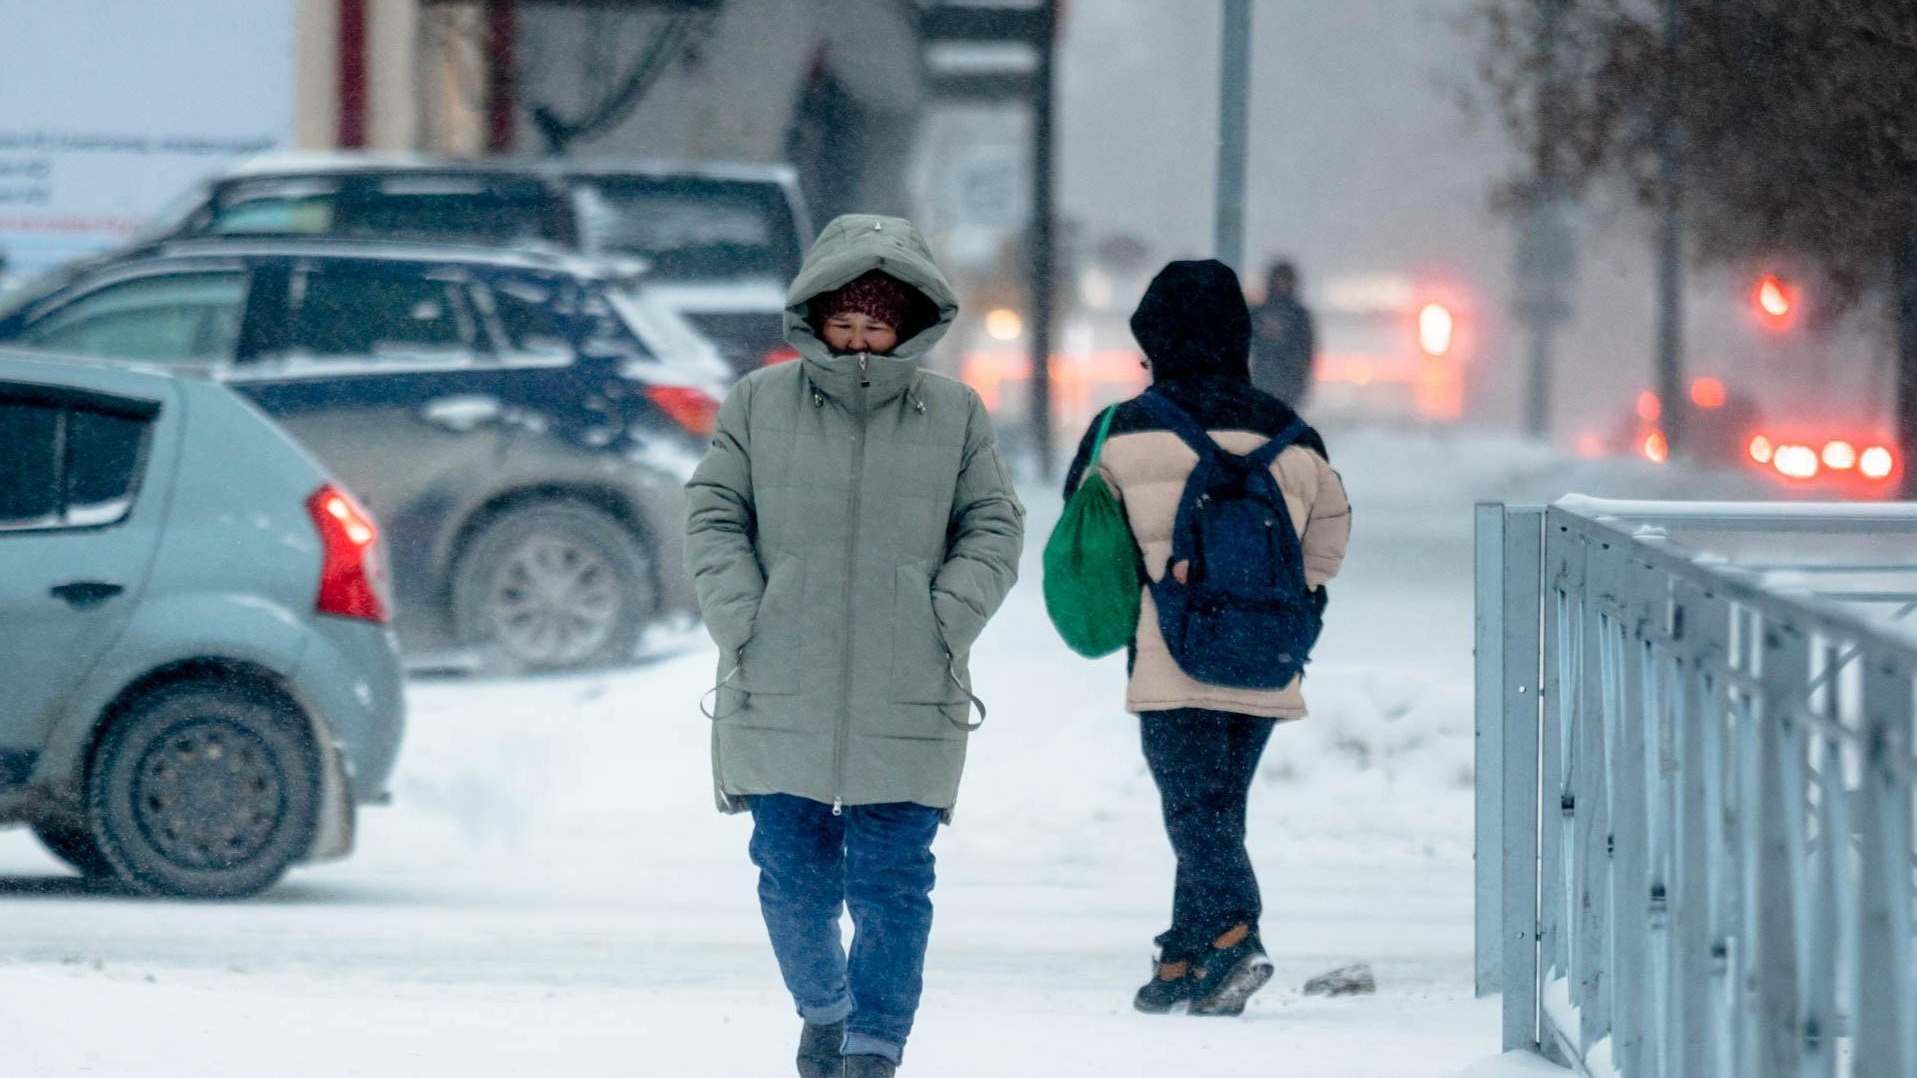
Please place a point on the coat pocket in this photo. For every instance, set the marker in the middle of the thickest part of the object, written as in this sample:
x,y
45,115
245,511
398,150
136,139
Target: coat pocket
x,y
922,668
770,663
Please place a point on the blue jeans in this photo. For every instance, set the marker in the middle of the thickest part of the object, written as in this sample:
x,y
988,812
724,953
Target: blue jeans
x,y
874,859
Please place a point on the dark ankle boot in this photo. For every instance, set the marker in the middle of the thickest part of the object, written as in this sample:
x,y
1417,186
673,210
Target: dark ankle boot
x,y
819,1051
1172,983
1235,968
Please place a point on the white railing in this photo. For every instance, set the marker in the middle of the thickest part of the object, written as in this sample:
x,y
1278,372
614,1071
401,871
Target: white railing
x,y
1695,782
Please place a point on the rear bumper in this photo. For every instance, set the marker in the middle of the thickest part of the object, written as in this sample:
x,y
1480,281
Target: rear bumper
x,y
349,677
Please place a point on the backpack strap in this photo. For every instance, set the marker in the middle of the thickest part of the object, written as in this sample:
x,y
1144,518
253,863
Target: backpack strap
x,y
1180,423
1195,435
1266,455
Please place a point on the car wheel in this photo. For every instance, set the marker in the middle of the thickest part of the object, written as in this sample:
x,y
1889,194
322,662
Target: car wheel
x,y
553,585
74,846
204,790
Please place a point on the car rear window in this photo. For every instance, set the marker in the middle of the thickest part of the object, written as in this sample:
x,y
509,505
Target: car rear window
x,y
65,465
690,229
532,317
345,314
103,458
424,207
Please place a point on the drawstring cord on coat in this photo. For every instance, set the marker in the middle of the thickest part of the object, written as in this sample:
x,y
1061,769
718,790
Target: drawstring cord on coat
x,y
951,671
713,695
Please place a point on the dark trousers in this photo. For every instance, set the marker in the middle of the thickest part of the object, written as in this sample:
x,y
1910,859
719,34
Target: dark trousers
x,y
1203,763
875,860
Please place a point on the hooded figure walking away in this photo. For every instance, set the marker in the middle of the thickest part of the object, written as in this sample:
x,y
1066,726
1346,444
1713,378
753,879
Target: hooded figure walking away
x,y
1284,343
851,531
1202,741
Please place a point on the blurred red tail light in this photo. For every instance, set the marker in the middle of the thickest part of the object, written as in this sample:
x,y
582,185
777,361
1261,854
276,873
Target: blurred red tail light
x,y
1877,462
1795,461
349,566
693,409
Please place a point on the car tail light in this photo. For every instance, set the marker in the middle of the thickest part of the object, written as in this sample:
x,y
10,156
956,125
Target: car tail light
x,y
1795,461
1877,463
1840,456
349,565
775,356
1761,449
693,409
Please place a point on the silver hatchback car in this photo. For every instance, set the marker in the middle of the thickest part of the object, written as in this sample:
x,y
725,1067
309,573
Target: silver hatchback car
x,y
198,684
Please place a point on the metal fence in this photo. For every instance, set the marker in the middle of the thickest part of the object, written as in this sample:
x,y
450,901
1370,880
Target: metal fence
x,y
1695,780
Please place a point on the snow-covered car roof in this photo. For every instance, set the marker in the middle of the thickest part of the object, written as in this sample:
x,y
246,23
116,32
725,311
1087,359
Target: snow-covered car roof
x,y
550,259
311,163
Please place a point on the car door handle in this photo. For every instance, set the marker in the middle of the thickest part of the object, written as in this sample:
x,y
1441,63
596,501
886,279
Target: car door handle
x,y
82,594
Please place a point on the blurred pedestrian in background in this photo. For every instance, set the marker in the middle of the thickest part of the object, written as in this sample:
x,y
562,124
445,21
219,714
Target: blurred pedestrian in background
x,y
1284,340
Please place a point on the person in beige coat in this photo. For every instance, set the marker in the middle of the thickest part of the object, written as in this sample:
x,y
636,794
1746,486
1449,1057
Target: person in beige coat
x,y
1203,742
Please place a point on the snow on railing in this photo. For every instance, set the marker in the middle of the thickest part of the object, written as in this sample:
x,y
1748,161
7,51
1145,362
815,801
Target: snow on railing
x,y
1695,784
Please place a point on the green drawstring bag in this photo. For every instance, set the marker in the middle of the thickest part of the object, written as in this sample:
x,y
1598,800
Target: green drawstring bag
x,y
1091,565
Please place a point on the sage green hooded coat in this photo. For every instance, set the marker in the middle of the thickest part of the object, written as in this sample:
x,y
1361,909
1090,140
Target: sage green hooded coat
x,y
850,532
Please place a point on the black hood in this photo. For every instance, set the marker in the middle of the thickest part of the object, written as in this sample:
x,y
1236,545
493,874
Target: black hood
x,y
1193,322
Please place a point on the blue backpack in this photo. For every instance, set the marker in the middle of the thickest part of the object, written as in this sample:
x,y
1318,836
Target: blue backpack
x,y
1244,618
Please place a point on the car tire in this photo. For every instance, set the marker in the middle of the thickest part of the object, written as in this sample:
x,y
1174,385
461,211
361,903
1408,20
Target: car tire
x,y
75,847
204,789
553,585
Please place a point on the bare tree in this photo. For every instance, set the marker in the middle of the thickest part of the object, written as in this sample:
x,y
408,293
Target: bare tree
x,y
1797,121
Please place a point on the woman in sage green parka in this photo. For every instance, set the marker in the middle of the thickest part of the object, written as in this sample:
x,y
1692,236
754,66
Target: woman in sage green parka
x,y
851,531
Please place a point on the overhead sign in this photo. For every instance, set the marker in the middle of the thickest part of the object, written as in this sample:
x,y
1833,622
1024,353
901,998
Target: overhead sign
x,y
111,110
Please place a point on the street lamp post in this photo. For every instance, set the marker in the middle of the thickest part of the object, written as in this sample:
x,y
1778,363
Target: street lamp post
x,y
1234,116
1670,268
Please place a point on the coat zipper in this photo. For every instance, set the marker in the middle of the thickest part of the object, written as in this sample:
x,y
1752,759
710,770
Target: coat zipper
x,y
851,568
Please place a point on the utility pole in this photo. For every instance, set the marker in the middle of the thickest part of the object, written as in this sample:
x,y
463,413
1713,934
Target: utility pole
x,y
1044,242
1545,264
1234,119
1670,243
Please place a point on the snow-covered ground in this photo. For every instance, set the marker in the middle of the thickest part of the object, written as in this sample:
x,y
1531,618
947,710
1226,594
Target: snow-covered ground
x,y
552,894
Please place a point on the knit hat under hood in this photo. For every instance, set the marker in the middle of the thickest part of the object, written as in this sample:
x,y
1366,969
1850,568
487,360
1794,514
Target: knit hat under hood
x,y
1193,321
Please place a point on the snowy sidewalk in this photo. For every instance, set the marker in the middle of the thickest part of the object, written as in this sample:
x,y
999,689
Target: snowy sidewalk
x,y
552,894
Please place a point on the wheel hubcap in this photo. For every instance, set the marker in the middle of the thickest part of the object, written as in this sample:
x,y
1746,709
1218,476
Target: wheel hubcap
x,y
554,601
209,794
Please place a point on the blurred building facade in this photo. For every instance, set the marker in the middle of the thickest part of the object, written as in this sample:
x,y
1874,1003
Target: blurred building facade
x,y
839,88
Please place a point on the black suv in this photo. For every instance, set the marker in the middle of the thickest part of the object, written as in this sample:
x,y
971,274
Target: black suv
x,y
521,425
722,240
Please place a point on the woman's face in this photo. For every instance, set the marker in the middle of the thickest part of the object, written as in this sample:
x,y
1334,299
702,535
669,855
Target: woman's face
x,y
850,332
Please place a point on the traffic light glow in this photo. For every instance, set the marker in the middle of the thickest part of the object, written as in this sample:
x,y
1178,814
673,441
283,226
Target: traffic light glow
x,y
1775,302
1436,326
1708,393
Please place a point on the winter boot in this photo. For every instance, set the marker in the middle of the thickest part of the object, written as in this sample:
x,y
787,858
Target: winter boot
x,y
869,1067
819,1051
1235,968
1172,983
